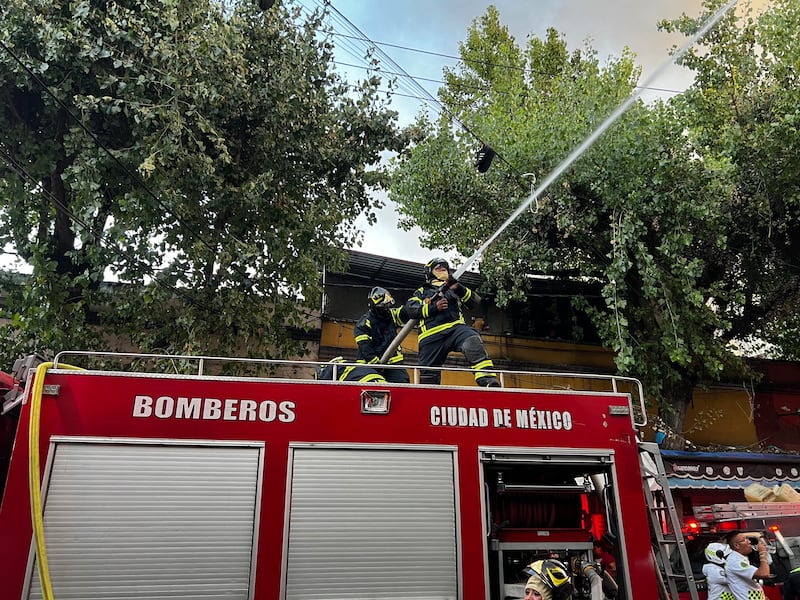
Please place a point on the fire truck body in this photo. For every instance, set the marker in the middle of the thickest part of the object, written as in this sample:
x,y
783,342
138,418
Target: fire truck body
x,y
201,487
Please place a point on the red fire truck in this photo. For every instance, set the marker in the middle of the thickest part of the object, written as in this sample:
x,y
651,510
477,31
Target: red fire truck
x,y
129,482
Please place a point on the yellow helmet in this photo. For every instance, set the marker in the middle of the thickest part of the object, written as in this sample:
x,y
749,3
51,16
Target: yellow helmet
x,y
555,576
380,298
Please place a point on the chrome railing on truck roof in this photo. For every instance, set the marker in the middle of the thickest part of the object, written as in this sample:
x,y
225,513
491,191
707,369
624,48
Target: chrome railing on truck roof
x,y
267,368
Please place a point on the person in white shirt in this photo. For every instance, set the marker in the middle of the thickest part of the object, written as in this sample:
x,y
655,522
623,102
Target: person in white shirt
x,y
741,574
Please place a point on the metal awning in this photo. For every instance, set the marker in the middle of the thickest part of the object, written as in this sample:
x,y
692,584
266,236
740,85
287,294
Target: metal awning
x,y
729,470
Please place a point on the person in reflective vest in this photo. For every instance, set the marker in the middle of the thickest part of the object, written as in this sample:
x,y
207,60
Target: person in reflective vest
x,y
791,587
376,330
741,574
714,571
437,305
342,372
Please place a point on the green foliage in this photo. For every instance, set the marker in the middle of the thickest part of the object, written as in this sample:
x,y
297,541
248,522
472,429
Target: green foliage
x,y
743,110
204,154
685,211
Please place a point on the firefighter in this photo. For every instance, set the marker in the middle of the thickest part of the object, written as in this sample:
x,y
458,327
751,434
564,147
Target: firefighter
x,y
714,571
437,305
549,580
347,373
376,330
741,574
791,587
603,555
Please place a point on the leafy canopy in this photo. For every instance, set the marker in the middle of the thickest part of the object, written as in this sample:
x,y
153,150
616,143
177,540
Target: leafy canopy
x,y
204,154
743,113
650,211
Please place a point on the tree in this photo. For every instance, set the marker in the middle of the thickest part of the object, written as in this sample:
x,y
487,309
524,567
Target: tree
x,y
644,212
743,112
204,153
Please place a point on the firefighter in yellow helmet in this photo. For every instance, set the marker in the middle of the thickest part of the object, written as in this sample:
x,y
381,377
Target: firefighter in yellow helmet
x,y
376,330
437,305
549,580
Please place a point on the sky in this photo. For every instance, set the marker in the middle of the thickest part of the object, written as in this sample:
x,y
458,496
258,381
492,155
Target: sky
x,y
437,26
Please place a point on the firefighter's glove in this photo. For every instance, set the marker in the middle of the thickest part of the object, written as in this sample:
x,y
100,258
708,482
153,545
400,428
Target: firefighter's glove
x,y
453,283
441,304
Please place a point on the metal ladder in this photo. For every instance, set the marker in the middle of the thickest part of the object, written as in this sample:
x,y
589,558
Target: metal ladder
x,y
667,525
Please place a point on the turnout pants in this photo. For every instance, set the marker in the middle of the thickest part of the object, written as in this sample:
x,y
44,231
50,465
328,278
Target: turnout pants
x,y
395,375
462,338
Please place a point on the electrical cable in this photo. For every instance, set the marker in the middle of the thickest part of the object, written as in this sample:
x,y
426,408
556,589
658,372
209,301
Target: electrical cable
x,y
398,71
341,18
466,87
526,71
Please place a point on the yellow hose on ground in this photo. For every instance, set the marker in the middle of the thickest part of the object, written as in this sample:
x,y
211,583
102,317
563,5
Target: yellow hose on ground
x,y
34,483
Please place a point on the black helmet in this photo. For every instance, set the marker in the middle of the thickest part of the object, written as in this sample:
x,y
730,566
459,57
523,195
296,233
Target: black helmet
x,y
380,298
432,264
555,576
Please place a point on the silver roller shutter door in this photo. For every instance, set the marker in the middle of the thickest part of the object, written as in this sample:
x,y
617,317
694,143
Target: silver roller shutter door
x,y
372,523
137,521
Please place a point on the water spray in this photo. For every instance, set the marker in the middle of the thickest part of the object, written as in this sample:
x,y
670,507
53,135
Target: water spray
x,y
567,162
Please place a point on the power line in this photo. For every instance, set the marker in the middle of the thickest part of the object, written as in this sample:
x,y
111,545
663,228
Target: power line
x,y
417,90
526,71
366,47
393,73
360,35
468,87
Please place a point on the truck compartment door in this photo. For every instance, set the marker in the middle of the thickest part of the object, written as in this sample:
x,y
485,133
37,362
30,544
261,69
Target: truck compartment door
x,y
136,519
367,523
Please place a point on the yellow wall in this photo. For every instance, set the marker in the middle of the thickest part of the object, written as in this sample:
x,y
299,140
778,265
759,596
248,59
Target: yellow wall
x,y
337,334
544,352
552,356
721,416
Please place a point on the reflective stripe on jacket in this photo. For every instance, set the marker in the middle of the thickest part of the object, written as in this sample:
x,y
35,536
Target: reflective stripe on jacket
x,y
375,331
422,305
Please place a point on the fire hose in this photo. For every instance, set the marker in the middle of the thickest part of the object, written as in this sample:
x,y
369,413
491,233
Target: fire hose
x,y
602,585
34,482
566,163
